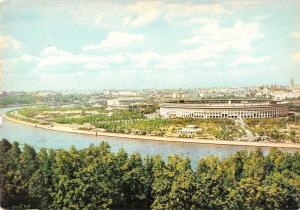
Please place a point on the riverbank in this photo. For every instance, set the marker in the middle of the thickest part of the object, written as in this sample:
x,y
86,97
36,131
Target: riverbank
x,y
65,128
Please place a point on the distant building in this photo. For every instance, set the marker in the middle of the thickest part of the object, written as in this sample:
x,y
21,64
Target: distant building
x,y
127,103
123,101
281,95
292,82
44,93
190,129
180,94
130,93
223,109
106,92
97,101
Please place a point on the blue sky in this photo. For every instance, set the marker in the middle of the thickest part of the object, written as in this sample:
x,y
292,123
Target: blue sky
x,y
76,44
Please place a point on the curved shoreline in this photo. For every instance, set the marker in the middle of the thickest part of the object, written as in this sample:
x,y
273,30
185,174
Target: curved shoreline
x,y
63,128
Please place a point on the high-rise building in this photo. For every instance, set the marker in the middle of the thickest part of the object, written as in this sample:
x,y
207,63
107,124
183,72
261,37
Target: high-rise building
x,y
1,81
292,82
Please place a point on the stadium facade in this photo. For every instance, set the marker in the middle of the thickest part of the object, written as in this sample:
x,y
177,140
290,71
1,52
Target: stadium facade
x,y
223,109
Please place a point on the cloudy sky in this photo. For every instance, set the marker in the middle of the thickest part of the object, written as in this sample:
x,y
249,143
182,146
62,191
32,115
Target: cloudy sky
x,y
76,44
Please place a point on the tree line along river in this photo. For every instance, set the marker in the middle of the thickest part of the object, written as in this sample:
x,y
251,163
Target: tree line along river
x,y
41,138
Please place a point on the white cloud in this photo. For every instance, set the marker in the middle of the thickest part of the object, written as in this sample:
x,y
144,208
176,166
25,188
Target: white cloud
x,y
9,42
210,64
212,42
146,12
114,15
143,59
239,37
28,58
296,56
247,59
174,11
261,17
117,40
141,13
20,59
52,56
295,34
186,57
105,13
95,66
196,21
53,51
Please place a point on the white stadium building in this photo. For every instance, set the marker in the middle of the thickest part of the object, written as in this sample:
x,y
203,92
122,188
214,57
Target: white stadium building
x,y
227,108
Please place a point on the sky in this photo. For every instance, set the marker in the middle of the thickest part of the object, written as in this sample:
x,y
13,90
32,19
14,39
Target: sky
x,y
95,45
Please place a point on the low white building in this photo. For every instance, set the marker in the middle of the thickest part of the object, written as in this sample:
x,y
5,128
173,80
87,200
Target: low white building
x,y
127,103
281,95
113,102
190,129
130,93
124,101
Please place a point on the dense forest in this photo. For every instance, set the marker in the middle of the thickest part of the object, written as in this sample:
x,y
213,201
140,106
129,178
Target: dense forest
x,y
96,178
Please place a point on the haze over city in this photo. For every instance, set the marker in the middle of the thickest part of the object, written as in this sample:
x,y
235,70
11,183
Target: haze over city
x,y
135,44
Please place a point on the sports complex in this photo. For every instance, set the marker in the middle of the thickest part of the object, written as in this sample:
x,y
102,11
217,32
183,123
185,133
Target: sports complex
x,y
223,108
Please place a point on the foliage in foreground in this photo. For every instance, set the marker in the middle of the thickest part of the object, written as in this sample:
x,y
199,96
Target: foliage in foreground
x,y
96,178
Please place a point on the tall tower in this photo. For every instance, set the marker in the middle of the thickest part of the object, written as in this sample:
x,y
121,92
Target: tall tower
x,y
292,82
1,79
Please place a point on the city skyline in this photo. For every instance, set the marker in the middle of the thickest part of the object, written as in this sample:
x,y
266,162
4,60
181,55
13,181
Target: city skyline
x,y
138,45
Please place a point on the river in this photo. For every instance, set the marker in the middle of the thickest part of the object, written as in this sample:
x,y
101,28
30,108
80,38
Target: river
x,y
41,138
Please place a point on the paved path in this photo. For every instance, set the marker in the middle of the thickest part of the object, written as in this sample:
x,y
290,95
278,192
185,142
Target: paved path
x,y
249,134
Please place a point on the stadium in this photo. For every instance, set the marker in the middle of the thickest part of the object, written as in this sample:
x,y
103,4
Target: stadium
x,y
223,108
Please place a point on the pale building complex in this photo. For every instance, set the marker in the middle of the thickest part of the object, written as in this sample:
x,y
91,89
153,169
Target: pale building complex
x,y
281,95
189,130
128,103
223,109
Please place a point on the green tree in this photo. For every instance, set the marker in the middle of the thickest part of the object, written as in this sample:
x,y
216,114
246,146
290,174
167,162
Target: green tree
x,y
41,182
249,194
134,182
209,185
173,184
12,189
96,178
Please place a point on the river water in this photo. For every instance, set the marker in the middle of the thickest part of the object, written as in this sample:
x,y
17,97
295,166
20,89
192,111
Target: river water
x,y
41,138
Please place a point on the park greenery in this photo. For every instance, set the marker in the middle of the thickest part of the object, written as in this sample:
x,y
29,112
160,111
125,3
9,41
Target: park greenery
x,y
96,178
120,115
24,99
34,98
34,111
219,128
66,99
129,122
278,129
286,129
